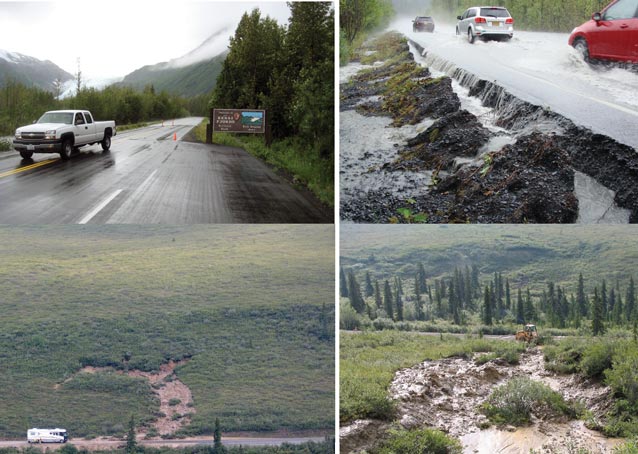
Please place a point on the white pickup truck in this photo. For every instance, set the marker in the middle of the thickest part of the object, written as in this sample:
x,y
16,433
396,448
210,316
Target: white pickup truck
x,y
61,131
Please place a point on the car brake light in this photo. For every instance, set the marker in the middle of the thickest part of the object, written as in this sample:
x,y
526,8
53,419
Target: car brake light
x,y
480,20
509,21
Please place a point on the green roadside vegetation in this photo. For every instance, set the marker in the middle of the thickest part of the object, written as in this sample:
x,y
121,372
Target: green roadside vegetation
x,y
358,19
249,307
5,145
326,447
287,154
289,72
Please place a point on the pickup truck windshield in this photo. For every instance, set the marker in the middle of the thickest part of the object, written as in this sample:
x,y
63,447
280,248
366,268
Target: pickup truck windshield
x,y
57,117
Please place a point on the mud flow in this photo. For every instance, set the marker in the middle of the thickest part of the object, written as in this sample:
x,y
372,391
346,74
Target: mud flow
x,y
424,140
176,400
447,395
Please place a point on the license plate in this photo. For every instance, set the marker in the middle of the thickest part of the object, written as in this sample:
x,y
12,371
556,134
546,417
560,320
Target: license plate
x,y
30,147
496,24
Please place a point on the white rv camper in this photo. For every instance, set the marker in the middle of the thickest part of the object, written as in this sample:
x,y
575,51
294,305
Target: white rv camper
x,y
47,436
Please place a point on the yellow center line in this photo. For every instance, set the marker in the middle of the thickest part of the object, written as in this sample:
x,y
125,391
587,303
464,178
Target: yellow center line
x,y
29,167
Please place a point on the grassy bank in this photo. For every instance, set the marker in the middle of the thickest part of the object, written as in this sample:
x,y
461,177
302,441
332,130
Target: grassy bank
x,y
612,360
369,360
306,167
248,305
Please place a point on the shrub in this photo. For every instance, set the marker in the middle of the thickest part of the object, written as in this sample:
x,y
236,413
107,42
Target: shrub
x,y
349,319
174,401
564,358
596,358
5,145
420,441
515,401
623,381
629,447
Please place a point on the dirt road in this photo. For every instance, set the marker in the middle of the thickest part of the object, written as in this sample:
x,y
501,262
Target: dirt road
x,y
103,443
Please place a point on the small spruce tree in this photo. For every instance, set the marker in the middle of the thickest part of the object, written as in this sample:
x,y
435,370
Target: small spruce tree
x,y
217,438
131,441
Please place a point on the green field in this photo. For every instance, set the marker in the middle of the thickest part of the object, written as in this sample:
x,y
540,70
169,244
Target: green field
x,y
246,304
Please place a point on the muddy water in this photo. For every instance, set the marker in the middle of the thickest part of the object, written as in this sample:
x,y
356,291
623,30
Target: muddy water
x,y
446,394
366,143
542,438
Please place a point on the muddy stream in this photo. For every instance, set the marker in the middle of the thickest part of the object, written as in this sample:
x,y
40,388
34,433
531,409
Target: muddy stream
x,y
447,393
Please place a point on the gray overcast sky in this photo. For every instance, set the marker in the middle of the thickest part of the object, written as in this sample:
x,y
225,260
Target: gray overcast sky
x,y
116,37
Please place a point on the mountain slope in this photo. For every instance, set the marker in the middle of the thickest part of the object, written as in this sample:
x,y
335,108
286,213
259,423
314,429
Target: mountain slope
x,y
190,80
30,71
242,310
526,254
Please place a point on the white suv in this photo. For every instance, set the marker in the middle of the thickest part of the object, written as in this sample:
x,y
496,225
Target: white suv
x,y
493,22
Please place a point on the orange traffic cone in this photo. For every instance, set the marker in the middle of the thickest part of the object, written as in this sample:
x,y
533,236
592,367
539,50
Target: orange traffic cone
x,y
174,136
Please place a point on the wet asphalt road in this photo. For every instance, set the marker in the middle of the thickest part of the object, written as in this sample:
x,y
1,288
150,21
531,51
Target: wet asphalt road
x,y
149,178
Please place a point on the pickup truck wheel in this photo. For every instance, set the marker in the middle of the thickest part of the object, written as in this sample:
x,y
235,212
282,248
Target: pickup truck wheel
x,y
67,149
106,142
26,154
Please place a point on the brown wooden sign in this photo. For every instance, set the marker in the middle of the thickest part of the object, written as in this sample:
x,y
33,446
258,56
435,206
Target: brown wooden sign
x,y
239,120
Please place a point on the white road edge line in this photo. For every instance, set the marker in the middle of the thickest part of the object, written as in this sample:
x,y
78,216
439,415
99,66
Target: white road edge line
x,y
99,208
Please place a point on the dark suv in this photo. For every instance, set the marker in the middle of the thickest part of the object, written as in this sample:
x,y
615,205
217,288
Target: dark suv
x,y
611,34
423,24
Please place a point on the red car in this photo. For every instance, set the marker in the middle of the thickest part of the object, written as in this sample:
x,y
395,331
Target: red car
x,y
611,34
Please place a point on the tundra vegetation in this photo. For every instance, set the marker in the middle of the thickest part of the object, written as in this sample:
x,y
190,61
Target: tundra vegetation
x,y
289,71
483,280
249,307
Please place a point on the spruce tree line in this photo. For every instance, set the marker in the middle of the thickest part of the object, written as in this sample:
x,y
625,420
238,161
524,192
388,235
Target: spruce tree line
x,y
464,293
287,70
21,105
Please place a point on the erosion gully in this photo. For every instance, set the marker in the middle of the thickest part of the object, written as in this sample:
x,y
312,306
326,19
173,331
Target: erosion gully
x,y
445,394
604,173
